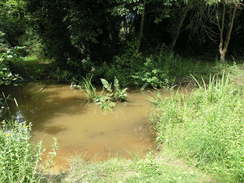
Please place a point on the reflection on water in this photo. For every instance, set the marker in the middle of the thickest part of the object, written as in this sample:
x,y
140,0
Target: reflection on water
x,y
82,128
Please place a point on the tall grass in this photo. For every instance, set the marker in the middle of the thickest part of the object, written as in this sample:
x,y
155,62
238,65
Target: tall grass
x,y
206,127
89,89
19,159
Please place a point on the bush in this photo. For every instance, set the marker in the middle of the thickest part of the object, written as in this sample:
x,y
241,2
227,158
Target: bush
x,y
18,158
155,72
7,55
4,107
206,128
161,70
122,67
134,69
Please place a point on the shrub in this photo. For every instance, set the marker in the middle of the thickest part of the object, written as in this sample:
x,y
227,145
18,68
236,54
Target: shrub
x,y
19,159
122,67
161,70
155,72
4,107
7,55
206,127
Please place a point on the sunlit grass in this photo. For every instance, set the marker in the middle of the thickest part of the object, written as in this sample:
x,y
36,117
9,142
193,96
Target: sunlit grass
x,y
206,128
148,170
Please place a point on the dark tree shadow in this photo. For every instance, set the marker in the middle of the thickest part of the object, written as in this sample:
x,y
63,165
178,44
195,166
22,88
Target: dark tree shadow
x,y
40,105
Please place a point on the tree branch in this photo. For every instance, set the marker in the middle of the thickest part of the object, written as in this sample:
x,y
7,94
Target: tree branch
x,y
228,35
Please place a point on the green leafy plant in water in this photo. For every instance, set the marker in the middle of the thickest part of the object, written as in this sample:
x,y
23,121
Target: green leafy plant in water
x,y
105,102
114,91
107,86
111,94
89,89
119,94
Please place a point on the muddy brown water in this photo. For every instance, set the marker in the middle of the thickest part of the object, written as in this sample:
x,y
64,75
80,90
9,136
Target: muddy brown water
x,y
83,129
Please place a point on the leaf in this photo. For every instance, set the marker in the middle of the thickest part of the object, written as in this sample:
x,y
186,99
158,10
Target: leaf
x,y
116,84
106,85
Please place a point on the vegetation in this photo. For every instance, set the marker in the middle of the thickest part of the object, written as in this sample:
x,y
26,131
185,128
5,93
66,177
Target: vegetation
x,y
136,41
8,55
19,159
89,89
132,44
114,92
160,169
109,95
206,128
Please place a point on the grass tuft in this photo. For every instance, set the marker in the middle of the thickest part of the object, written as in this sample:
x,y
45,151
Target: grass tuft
x,y
206,128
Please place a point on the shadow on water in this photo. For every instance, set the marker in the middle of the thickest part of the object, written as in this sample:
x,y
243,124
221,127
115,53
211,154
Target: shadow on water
x,y
39,104
82,129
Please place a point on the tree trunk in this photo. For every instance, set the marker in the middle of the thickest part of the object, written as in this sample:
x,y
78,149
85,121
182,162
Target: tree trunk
x,y
224,43
229,33
222,55
178,29
141,27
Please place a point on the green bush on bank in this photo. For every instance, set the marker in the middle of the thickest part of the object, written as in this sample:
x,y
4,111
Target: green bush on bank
x,y
19,160
134,69
8,55
161,70
206,128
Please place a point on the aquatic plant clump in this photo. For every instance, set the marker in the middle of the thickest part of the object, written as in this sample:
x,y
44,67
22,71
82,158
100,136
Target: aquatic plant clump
x,y
111,93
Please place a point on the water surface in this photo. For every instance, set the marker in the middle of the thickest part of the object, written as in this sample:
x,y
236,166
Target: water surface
x,y
83,129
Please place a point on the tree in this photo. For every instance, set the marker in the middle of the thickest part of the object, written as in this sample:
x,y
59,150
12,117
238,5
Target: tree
x,y
12,20
182,7
222,17
48,20
129,10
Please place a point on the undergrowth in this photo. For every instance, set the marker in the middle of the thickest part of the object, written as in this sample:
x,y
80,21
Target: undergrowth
x,y
19,160
132,68
205,128
162,70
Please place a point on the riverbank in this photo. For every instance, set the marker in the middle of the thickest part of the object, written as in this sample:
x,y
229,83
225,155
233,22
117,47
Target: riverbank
x,y
199,139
